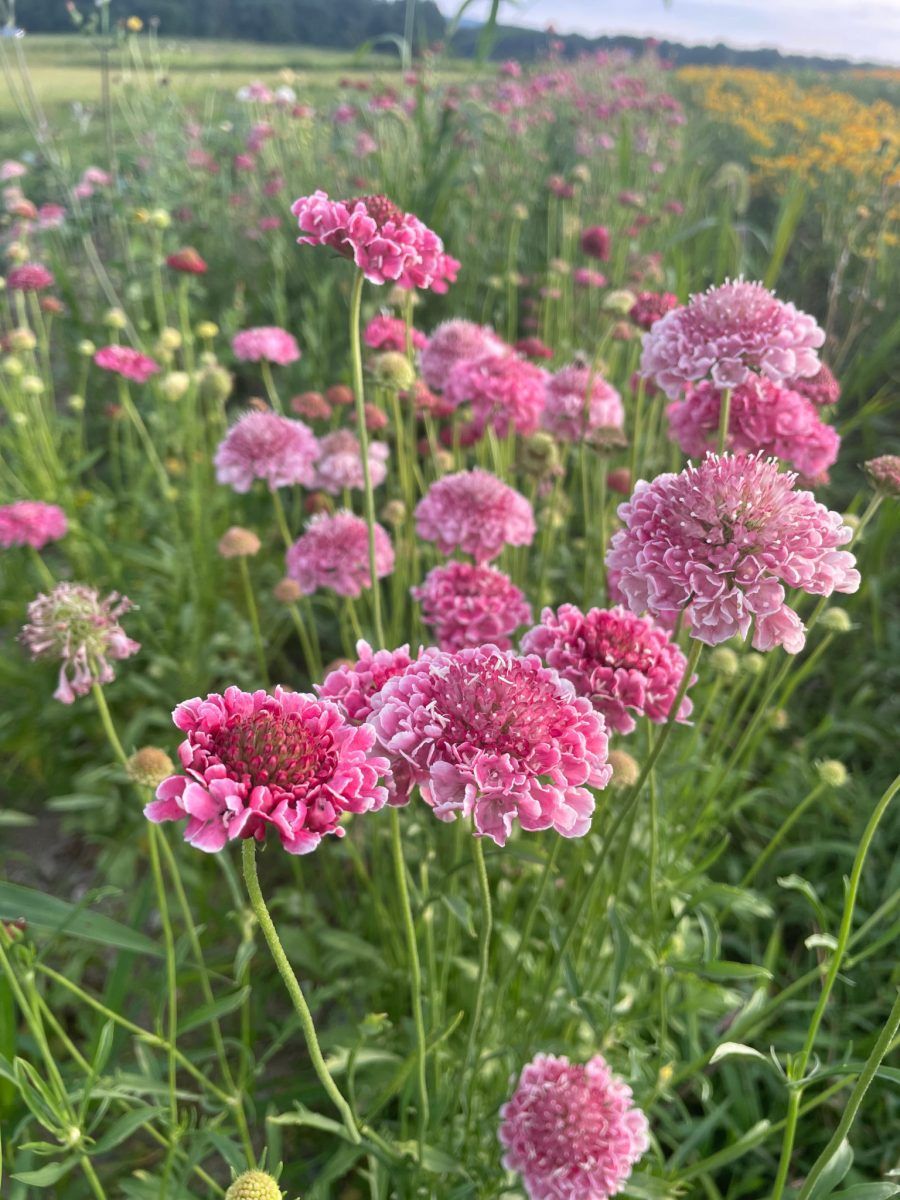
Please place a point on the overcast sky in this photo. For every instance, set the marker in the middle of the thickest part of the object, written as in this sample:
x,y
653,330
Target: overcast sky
x,y
863,29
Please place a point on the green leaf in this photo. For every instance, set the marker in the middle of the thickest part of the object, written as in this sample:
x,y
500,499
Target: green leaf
x,y
724,970
838,1166
124,1127
434,1160
461,911
736,1050
312,1120
208,1012
868,1191
45,1176
53,915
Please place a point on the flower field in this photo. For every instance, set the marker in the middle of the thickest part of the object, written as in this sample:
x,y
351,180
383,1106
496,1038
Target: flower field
x,y
449,649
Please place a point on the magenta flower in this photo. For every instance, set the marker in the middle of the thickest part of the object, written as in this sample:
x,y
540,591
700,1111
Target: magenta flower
x,y
475,512
31,523
726,538
625,665
334,553
572,1130
266,343
74,625
351,686
29,277
254,761
389,333
821,388
454,342
728,333
595,242
387,244
340,463
466,605
130,364
264,445
648,307
503,391
569,415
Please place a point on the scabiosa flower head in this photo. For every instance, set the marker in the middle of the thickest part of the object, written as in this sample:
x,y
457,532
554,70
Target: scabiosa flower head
x,y
387,244
311,405
266,343
884,473
726,538
74,625
334,553
821,388
254,1185
728,333
533,347
764,416
453,342
496,737
625,665
124,361
571,1130
340,463
389,333
29,277
466,605
238,542
188,261
475,512
648,307
595,242
31,523
351,686
254,760
568,413
264,445
503,390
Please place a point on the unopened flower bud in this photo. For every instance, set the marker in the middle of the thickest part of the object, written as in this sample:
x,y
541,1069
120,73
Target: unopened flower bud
x,y
20,340
169,339
13,366
160,219
175,385
76,403
206,330
237,542
835,620
625,769
754,663
621,301
884,472
779,719
393,370
86,348
214,384
619,480
519,212
114,318
394,513
149,766
287,591
443,460
32,385
725,662
254,1185
832,773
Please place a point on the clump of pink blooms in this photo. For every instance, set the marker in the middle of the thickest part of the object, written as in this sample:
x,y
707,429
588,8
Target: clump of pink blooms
x,y
389,333
726,537
648,307
494,737
73,624
764,416
568,413
334,553
625,665
572,1130
387,244
264,445
31,523
124,361
728,333
475,512
255,761
503,391
821,388
351,686
266,343
455,342
30,277
466,605
340,462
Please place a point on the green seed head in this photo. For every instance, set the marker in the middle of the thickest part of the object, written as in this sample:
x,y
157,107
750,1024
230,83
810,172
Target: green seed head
x,y
832,772
254,1185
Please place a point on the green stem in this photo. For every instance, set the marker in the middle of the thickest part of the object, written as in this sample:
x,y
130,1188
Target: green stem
x,y
254,619
724,415
171,968
484,959
271,390
779,837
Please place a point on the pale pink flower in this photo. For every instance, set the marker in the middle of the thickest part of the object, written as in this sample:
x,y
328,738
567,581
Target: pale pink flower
x,y
586,278
475,512
389,333
266,343
495,737
569,415
255,761
726,538
264,445
503,391
466,605
31,523
453,342
124,361
821,388
340,463
333,553
12,169
572,1131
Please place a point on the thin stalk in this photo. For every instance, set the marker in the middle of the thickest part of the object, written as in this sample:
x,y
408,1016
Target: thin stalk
x,y
484,960
782,833
253,612
724,415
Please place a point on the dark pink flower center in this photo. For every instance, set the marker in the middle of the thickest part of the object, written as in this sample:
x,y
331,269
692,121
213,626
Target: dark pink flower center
x,y
274,750
612,644
379,208
502,708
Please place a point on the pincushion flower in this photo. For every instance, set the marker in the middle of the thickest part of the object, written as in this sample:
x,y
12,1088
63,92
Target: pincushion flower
x,y
454,342
569,415
71,623
30,277
727,334
648,307
495,737
351,686
475,512
124,361
503,391
389,333
255,761
340,463
726,538
188,261
595,242
31,523
571,1130
466,605
387,244
625,665
764,416
264,445
334,553
884,472
266,343
821,388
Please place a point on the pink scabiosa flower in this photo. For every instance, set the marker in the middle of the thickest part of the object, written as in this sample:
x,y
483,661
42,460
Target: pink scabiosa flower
x,y
264,445
389,333
31,523
266,343
595,242
584,277
124,361
625,665
726,538
452,343
764,416
727,334
29,277
503,390
475,512
569,415
466,605
490,735
188,261
72,624
387,244
571,1130
648,307
351,686
254,761
340,463
884,472
821,388
333,553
